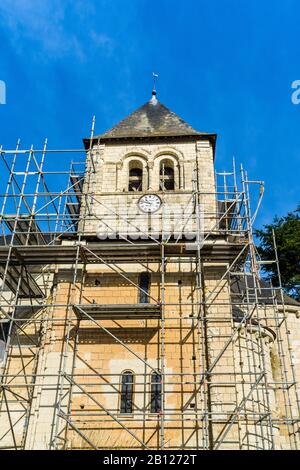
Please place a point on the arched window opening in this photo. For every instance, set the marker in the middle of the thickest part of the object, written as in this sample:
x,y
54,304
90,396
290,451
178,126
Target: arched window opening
x,y
135,182
126,405
166,176
156,390
144,285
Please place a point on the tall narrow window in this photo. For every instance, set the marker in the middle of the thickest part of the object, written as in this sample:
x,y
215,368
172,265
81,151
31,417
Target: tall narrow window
x,y
144,284
4,330
135,182
126,405
166,176
156,389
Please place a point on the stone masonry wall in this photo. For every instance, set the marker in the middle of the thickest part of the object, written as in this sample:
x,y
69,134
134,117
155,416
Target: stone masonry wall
x,y
107,187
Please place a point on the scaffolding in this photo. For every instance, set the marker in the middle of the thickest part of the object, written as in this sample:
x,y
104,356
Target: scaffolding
x,y
44,206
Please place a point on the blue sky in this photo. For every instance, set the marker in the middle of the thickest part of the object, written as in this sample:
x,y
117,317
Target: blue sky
x,y
224,66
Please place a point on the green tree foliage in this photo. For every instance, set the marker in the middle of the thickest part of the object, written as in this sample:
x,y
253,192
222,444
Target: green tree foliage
x,y
287,234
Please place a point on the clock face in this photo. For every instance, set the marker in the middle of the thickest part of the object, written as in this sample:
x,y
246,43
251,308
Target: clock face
x,y
149,203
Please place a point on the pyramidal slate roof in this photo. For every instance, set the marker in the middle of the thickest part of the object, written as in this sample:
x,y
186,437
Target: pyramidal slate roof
x,y
153,119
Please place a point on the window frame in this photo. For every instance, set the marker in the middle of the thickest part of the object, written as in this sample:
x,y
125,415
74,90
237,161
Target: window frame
x,y
156,373
141,294
163,179
133,166
127,413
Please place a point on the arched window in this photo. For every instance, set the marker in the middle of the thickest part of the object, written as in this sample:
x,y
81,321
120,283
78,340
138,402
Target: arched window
x,y
126,404
144,284
135,182
156,389
166,176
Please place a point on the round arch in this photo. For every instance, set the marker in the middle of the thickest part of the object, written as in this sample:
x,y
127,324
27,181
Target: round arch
x,y
176,161
126,164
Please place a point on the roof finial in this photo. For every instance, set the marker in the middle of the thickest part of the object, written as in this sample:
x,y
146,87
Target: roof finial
x,y
155,76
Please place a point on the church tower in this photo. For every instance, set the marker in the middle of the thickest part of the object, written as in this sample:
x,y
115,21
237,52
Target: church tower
x,y
149,163
149,206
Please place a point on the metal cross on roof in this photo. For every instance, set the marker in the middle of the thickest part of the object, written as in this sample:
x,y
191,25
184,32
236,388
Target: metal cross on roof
x,y
155,76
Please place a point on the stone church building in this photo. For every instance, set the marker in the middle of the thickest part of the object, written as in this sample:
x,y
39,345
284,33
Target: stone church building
x,y
145,323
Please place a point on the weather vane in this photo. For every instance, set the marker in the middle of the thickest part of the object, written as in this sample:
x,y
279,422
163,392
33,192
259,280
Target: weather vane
x,y
155,76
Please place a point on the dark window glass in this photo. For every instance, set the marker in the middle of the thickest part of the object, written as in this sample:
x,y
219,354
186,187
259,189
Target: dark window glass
x,y
127,392
166,179
156,389
4,329
145,285
135,179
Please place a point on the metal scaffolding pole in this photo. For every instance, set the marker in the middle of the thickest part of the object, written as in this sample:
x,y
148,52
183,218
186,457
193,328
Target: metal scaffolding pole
x,y
42,219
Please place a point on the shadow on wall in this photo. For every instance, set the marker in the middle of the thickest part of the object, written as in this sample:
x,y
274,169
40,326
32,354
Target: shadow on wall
x,y
126,335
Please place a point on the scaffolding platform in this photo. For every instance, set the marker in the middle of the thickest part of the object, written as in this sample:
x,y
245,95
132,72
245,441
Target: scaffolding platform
x,y
25,229
221,250
118,311
17,279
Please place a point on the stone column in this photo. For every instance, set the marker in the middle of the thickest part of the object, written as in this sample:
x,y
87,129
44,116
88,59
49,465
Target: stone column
x,y
150,175
181,175
119,167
